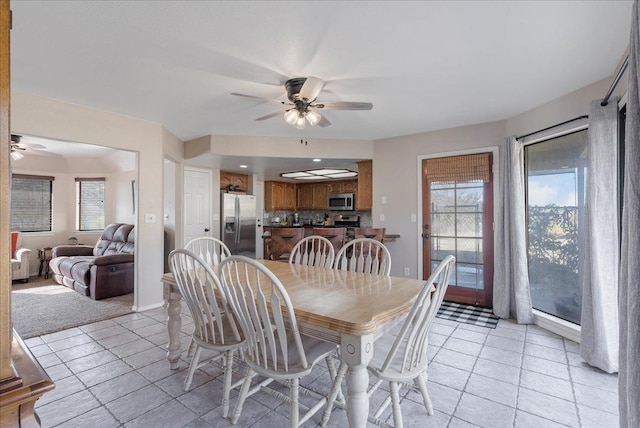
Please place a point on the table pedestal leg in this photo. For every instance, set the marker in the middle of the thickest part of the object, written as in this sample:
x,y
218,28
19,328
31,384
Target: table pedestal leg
x,y
174,323
357,351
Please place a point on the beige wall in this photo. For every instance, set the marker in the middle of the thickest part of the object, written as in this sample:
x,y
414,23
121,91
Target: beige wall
x,y
45,117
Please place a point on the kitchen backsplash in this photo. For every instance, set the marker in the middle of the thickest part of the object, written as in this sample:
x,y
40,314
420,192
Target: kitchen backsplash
x,y
365,216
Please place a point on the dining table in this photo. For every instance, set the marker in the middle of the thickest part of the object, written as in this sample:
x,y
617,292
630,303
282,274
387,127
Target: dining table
x,y
350,309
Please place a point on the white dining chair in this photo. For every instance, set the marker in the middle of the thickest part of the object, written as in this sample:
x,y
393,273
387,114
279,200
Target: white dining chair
x,y
211,250
403,358
215,328
275,348
313,251
364,255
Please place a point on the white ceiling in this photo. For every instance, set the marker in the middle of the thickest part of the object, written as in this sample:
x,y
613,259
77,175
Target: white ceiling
x,y
424,65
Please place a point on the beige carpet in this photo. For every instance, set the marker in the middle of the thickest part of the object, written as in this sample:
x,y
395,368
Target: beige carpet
x,y
42,307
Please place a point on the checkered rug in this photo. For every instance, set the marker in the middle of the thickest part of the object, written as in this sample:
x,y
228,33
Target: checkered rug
x,y
469,314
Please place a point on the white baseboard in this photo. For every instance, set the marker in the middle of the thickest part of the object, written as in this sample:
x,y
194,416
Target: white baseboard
x,y
556,325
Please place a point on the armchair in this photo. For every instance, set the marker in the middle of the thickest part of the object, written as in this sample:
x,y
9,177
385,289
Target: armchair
x,y
19,259
106,270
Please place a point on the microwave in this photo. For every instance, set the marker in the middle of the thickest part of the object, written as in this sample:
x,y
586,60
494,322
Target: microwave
x,y
342,202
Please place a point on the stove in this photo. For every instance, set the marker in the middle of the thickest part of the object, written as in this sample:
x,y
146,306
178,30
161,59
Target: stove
x,y
346,220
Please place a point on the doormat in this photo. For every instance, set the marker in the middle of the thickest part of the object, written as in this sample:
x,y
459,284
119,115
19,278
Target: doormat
x,y
469,314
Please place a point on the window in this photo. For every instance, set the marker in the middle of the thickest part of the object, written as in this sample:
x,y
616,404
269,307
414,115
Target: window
x,y
31,203
90,203
556,178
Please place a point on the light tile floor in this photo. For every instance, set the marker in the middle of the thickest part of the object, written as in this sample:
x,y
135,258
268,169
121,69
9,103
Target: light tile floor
x,y
114,373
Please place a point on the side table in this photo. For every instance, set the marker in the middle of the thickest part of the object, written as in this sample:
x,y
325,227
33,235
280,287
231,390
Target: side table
x,y
44,254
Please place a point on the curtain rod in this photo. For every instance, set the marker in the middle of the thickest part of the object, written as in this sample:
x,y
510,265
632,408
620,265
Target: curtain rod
x,y
605,101
553,126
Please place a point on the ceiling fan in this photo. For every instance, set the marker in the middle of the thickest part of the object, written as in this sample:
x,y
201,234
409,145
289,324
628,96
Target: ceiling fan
x,y
303,106
17,148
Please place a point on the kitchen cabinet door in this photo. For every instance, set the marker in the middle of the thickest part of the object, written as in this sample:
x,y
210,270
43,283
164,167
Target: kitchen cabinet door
x,y
240,181
305,197
364,199
349,186
273,195
289,196
320,196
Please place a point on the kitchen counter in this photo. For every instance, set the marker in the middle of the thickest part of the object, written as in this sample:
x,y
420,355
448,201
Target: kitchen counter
x,y
388,237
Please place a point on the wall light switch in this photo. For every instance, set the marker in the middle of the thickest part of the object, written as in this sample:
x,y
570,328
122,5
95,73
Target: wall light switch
x,y
149,218
413,218
384,200
381,217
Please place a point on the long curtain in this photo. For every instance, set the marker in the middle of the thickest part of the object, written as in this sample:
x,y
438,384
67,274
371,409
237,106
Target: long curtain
x,y
629,377
511,295
599,323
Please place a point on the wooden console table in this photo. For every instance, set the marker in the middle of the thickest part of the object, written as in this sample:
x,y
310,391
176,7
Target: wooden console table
x,y
19,395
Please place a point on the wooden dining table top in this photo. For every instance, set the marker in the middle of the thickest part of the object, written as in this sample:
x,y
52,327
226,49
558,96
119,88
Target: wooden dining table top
x,y
345,302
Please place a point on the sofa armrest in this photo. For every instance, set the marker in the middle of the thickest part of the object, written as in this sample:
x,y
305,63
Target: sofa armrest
x,y
71,250
23,254
112,259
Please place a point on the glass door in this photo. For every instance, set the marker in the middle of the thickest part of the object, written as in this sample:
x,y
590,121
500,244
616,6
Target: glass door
x,y
458,221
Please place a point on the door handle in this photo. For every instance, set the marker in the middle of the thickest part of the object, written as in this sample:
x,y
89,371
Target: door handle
x,y
426,236
206,229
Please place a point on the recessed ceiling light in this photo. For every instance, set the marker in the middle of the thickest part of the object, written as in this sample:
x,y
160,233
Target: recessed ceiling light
x,y
243,166
317,160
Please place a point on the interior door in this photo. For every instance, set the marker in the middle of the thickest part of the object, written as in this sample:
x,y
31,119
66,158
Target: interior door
x,y
197,204
457,195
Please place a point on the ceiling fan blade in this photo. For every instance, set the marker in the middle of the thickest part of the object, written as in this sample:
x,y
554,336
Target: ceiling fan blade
x,y
254,97
39,152
344,105
33,146
324,122
311,88
269,116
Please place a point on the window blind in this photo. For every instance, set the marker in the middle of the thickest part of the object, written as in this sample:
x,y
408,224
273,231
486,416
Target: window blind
x,y
459,169
90,203
31,203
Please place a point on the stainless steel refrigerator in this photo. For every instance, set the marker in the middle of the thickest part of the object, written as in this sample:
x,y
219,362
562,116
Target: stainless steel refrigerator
x,y
238,223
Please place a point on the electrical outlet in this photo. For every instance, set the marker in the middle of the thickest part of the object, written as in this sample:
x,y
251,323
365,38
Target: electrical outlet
x,y
407,272
381,217
384,200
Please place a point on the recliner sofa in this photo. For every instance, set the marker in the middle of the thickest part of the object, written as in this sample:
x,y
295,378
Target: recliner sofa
x,y
105,270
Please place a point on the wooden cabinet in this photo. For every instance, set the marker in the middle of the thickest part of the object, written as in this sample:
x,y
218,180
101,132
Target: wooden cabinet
x,y
364,198
350,186
239,181
305,197
279,195
313,196
320,196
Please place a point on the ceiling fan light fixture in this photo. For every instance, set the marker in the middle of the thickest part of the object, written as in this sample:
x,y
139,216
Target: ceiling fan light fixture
x,y
291,116
313,117
300,122
16,155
